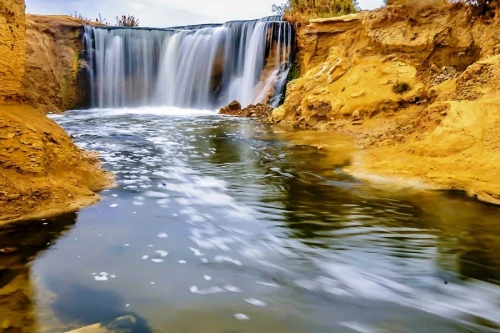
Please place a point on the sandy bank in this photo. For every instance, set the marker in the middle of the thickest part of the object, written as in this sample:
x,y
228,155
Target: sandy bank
x,y
42,173
418,93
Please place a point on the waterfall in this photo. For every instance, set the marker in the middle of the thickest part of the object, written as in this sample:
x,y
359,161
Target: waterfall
x,y
201,67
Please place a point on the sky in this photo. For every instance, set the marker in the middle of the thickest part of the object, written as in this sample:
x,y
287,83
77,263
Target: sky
x,y
166,13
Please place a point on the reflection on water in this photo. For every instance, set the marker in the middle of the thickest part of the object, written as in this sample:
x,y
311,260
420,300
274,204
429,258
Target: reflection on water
x,y
19,244
224,225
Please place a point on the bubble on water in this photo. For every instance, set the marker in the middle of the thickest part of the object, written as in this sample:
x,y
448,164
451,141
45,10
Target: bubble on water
x,y
138,203
204,260
207,277
163,202
162,235
232,288
359,327
152,283
127,305
267,284
223,259
156,195
211,290
182,262
113,276
145,257
103,276
150,245
127,245
113,205
114,195
255,302
241,316
196,252
157,260
162,253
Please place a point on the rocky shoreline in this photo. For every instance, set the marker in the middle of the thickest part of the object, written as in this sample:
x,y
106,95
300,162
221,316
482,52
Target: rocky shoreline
x,y
42,173
418,92
419,95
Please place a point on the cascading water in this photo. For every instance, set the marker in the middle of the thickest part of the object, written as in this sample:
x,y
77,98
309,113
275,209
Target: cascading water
x,y
202,67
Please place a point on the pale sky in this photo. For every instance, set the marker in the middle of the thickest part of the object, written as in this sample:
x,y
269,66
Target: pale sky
x,y
166,13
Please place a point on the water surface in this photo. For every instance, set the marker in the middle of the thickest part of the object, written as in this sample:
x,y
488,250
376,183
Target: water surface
x,y
226,225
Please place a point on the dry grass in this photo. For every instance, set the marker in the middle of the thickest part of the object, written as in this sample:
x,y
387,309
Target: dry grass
x,y
301,10
478,7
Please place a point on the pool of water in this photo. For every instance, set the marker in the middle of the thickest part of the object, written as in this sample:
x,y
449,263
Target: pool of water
x,y
227,225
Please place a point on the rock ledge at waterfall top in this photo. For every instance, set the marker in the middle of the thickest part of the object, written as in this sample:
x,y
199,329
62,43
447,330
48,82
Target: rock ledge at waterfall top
x,y
420,97
42,173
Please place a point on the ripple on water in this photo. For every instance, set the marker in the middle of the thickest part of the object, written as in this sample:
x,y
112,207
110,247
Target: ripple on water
x,y
272,210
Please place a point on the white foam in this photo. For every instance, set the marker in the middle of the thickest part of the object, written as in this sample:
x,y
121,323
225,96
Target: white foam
x,y
241,316
162,253
255,302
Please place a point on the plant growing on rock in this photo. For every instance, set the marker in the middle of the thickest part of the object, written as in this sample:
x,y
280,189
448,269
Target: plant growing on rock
x,y
79,16
127,21
480,7
296,9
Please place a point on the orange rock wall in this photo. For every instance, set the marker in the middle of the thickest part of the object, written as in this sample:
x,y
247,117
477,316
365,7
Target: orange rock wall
x,y
12,54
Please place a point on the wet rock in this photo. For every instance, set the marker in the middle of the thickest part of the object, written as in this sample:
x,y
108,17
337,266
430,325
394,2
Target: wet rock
x,y
257,111
231,108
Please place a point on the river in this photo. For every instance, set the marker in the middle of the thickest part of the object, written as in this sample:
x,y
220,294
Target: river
x,y
224,225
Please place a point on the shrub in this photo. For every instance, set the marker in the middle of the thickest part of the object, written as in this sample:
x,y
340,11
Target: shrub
x,y
99,19
127,21
79,16
480,7
316,8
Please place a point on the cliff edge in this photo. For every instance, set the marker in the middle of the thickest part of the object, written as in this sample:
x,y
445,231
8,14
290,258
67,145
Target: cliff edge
x,y
55,77
12,56
42,173
417,90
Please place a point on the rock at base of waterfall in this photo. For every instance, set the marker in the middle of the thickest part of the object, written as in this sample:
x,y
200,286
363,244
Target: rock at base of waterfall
x,y
231,108
256,111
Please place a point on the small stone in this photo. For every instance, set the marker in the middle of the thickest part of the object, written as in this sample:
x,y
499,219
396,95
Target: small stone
x,y
435,68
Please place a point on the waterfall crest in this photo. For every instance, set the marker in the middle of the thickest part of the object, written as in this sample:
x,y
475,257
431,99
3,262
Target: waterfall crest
x,y
200,67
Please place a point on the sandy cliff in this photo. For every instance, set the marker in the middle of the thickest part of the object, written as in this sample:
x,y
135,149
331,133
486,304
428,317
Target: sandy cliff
x,y
12,27
418,90
54,80
42,173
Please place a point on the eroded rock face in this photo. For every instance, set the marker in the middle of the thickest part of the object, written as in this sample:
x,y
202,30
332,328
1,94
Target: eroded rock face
x,y
417,90
55,68
42,172
12,58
